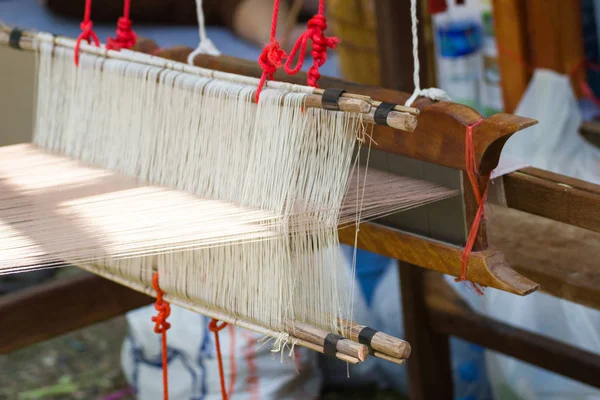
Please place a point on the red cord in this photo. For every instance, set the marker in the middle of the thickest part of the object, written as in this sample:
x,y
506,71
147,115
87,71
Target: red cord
x,y
164,310
213,326
320,43
87,32
471,167
272,56
126,37
232,359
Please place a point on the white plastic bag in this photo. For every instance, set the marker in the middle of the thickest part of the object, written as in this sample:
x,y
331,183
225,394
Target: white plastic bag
x,y
555,145
193,368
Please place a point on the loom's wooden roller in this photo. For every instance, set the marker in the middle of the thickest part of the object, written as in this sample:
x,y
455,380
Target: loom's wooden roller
x,y
438,140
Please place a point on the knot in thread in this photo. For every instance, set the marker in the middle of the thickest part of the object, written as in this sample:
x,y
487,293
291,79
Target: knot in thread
x,y
214,326
320,43
125,36
87,34
270,60
163,308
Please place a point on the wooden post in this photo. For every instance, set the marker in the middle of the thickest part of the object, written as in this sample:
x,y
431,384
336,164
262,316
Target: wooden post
x,y
429,368
395,45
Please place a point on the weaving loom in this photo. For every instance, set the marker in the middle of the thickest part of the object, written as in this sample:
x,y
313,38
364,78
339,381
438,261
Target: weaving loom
x,y
204,197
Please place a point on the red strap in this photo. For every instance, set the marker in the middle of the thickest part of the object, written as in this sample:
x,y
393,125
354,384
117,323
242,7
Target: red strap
x,y
472,172
272,56
164,310
213,326
125,38
87,32
316,25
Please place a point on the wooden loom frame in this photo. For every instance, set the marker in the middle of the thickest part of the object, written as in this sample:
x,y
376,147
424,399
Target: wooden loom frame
x,y
432,313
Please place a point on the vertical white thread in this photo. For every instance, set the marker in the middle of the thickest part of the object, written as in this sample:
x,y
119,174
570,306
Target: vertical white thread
x,y
432,93
205,46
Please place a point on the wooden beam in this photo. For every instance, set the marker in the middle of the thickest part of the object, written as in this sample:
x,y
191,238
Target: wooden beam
x,y
554,196
562,258
54,308
429,367
449,315
487,267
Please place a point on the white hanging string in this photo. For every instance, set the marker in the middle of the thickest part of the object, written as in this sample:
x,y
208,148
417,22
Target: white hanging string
x,y
432,93
206,46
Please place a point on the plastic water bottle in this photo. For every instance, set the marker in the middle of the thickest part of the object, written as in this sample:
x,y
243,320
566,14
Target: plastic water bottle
x,y
458,43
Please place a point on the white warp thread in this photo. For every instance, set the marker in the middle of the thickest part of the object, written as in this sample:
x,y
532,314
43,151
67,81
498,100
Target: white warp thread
x,y
206,137
205,46
432,93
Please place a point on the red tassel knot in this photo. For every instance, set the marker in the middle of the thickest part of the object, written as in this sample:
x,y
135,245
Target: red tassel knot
x,y
125,36
270,61
87,34
320,44
163,308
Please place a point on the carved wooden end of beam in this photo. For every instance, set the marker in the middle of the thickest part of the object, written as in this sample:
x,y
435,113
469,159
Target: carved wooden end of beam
x,y
487,267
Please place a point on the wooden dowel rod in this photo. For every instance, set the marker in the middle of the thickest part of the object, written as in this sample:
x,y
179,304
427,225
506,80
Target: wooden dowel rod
x,y
380,342
395,119
397,107
389,358
317,335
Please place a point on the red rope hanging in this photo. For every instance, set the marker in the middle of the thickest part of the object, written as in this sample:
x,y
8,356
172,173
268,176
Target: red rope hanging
x,y
316,25
272,56
471,167
87,32
164,310
125,36
214,327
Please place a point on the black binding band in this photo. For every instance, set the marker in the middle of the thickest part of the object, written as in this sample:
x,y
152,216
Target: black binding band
x,y
366,336
14,40
330,344
330,97
382,112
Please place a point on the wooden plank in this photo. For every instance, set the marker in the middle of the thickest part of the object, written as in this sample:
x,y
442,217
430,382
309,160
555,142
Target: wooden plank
x,y
487,267
50,309
554,196
449,315
562,258
429,367
440,134
513,52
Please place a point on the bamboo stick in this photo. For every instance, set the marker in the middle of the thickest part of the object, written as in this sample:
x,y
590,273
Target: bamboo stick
x,y
316,335
409,110
380,342
404,119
